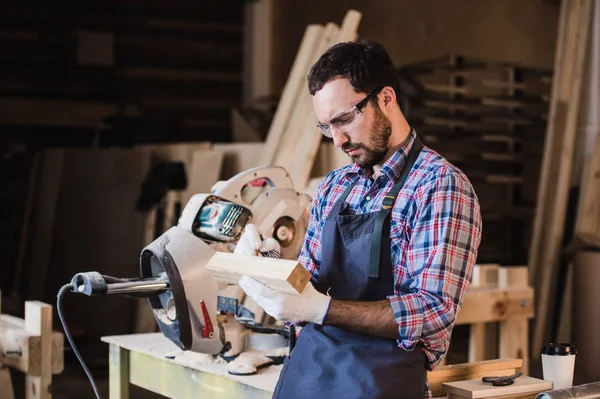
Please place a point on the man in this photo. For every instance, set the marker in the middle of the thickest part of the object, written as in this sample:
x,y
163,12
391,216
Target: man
x,y
391,244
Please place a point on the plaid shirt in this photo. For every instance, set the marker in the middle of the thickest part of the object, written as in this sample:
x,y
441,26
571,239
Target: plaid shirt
x,y
435,235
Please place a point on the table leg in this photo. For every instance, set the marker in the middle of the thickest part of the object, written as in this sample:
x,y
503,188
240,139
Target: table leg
x,y
118,369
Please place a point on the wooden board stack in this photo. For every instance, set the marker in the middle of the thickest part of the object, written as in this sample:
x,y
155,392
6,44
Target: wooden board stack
x,y
293,138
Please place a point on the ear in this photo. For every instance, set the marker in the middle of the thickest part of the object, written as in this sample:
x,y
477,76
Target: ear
x,y
388,96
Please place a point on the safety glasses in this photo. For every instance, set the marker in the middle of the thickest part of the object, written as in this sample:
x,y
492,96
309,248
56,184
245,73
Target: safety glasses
x,y
346,118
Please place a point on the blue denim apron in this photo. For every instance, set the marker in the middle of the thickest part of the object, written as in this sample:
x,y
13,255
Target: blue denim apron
x,y
332,362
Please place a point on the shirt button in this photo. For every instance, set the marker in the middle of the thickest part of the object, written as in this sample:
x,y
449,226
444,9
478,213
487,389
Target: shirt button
x,y
368,198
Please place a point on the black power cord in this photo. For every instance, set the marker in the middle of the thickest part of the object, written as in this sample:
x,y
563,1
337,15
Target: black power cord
x,y
64,289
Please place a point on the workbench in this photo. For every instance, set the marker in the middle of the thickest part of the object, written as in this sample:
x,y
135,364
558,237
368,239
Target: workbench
x,y
154,363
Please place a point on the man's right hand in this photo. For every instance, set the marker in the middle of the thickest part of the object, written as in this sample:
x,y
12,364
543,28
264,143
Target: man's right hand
x,y
251,243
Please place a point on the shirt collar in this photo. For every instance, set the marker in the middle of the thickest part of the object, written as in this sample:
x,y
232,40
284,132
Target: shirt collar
x,y
392,167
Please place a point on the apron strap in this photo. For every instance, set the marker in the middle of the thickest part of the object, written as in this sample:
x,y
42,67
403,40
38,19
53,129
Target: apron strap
x,y
386,208
340,202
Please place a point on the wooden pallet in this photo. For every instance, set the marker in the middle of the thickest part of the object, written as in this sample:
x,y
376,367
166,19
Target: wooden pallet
x,y
497,307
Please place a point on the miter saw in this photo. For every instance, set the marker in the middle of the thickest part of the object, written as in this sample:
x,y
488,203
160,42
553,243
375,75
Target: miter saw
x,y
189,306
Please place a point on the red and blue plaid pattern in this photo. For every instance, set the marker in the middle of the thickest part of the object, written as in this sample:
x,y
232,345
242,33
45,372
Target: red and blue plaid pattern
x,y
435,234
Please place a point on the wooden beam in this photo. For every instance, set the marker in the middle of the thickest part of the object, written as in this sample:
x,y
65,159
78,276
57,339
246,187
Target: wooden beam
x,y
279,274
514,332
38,321
15,337
482,336
291,90
566,115
496,304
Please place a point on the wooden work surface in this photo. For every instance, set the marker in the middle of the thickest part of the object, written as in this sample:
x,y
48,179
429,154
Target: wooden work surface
x,y
141,359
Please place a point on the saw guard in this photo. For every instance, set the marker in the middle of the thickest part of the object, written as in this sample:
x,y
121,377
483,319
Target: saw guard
x,y
178,311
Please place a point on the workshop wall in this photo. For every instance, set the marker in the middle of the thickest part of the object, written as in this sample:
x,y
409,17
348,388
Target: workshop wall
x,y
516,31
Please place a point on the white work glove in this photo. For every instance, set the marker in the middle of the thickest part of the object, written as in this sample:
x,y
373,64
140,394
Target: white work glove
x,y
310,305
251,243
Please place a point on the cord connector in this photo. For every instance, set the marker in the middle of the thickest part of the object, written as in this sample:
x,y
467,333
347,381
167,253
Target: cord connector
x,y
89,283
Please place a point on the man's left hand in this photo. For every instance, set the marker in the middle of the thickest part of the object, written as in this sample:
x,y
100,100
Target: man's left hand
x,y
310,305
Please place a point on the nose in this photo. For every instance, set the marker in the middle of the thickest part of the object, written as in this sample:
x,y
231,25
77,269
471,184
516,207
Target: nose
x,y
339,138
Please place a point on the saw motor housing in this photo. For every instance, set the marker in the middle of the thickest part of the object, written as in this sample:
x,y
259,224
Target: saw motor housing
x,y
188,312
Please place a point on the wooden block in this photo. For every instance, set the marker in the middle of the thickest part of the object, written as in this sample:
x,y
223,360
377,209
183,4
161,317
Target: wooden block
x,y
528,395
279,274
38,321
437,384
474,368
478,389
291,90
489,305
14,336
514,332
6,383
482,336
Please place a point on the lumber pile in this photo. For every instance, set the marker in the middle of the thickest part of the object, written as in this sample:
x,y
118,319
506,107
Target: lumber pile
x,y
488,118
293,138
546,258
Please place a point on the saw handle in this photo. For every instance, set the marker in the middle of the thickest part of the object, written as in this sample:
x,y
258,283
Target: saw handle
x,y
275,175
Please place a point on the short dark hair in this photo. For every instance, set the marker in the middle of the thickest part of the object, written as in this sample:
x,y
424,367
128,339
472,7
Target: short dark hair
x,y
366,64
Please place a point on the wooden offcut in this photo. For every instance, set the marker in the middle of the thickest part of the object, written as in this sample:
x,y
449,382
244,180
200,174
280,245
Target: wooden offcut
x,y
281,275
469,371
478,389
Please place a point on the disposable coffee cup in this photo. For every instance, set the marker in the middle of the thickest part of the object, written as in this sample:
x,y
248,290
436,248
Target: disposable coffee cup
x,y
558,364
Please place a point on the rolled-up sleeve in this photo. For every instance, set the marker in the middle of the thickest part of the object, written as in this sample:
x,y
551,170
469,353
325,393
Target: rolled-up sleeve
x,y
440,256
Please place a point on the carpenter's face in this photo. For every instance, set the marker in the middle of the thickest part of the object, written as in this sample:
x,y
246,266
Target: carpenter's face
x,y
362,134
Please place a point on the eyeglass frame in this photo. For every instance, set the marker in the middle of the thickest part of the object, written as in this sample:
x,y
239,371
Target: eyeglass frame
x,y
358,108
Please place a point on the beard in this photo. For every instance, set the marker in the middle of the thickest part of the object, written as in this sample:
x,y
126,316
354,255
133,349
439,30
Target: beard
x,y
378,146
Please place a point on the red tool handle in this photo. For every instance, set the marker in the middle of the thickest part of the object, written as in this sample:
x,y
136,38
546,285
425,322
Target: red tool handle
x,y
207,330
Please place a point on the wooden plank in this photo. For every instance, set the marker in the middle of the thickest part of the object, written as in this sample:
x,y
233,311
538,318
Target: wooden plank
x,y
482,336
436,385
14,337
38,321
118,372
490,305
239,157
588,211
514,332
291,90
552,139
474,368
304,141
204,172
479,389
552,244
6,383
173,380
280,274
300,136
